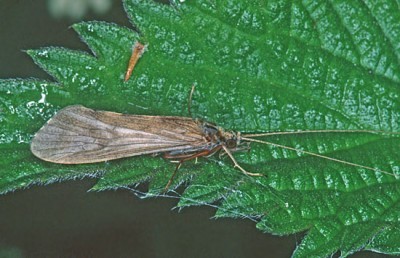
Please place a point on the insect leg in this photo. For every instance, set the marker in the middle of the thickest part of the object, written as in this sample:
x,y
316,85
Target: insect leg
x,y
184,157
245,148
237,164
172,177
190,100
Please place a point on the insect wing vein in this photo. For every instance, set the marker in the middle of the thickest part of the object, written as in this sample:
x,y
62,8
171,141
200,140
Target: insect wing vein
x,y
81,135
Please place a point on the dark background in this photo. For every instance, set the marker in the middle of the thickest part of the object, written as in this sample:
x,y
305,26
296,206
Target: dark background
x,y
64,220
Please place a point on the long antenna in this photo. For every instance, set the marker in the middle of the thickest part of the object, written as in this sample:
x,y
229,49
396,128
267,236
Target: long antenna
x,y
321,131
317,155
190,99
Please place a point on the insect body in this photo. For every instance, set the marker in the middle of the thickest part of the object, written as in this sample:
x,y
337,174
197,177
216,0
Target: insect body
x,y
77,135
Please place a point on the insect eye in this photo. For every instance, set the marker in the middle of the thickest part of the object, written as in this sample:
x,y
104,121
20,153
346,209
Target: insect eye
x,y
231,143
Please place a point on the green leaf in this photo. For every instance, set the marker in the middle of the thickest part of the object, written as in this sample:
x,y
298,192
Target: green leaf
x,y
385,241
258,67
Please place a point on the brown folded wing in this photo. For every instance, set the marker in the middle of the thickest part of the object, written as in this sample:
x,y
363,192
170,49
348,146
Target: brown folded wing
x,y
78,135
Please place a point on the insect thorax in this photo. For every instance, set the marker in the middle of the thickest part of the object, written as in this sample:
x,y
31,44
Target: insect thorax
x,y
218,136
